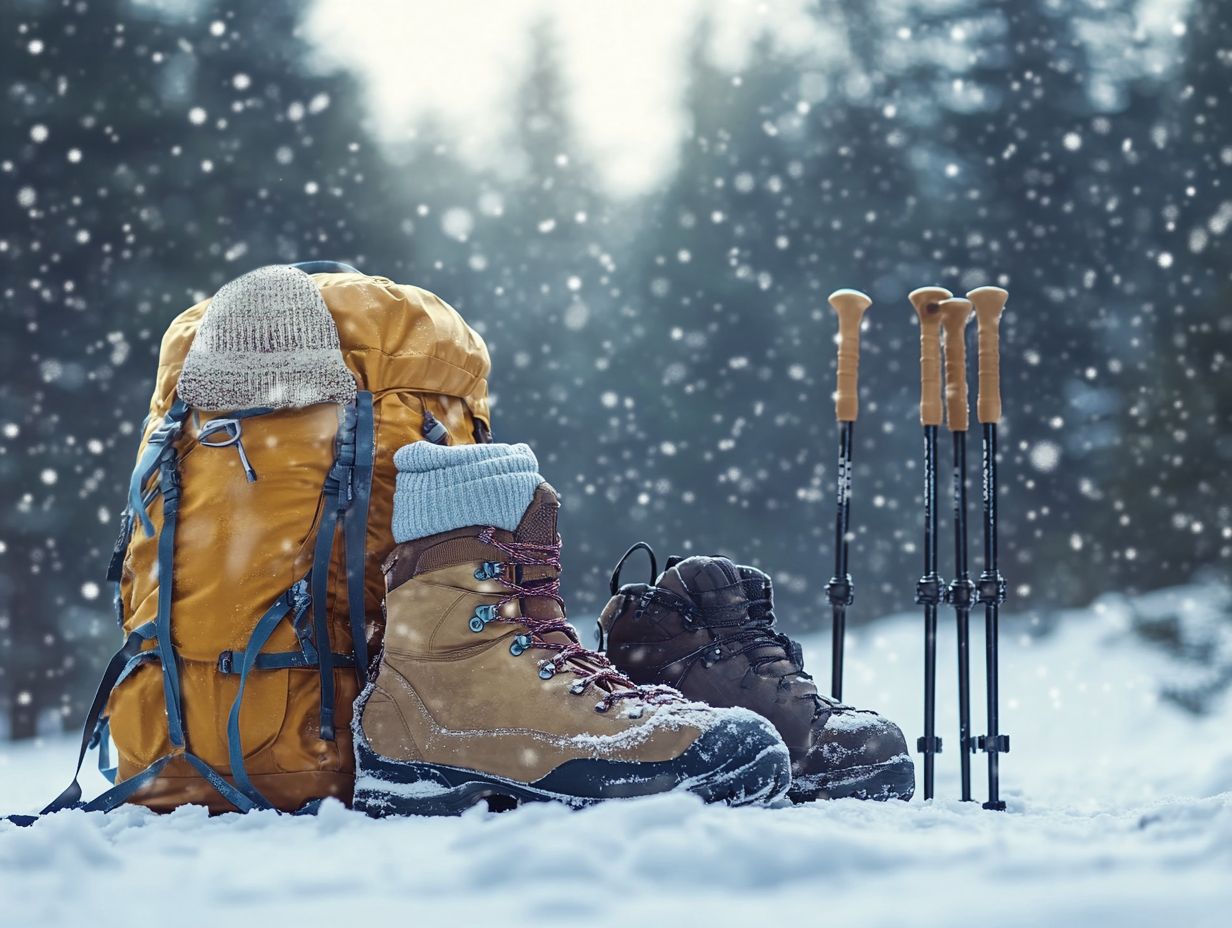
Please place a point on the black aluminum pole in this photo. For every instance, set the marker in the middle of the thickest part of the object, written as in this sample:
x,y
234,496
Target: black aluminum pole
x,y
989,303
960,595
840,590
850,306
992,594
927,302
928,594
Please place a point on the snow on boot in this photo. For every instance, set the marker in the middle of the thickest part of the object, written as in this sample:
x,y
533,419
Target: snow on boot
x,y
706,627
483,691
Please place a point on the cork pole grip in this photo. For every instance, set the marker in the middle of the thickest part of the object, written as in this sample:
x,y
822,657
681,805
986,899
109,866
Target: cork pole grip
x,y
850,306
955,314
927,303
988,302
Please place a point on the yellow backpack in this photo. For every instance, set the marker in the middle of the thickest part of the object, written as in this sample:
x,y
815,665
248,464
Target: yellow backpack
x,y
247,573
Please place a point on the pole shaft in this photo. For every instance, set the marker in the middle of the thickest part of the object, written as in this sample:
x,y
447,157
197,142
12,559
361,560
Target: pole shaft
x,y
962,613
842,522
930,608
992,612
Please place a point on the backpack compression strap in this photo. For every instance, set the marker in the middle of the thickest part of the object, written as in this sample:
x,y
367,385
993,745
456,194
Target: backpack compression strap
x,y
121,664
347,491
294,602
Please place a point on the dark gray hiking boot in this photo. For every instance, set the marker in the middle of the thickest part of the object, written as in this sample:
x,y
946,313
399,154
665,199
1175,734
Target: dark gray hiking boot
x,y
706,627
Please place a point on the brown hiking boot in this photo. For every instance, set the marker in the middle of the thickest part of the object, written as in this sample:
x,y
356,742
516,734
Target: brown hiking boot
x,y
706,627
484,692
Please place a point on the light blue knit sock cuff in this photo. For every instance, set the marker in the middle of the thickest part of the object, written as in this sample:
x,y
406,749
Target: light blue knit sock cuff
x,y
445,487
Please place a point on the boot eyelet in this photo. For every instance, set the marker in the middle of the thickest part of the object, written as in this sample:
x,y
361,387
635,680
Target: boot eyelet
x,y
601,707
489,570
547,671
483,615
636,712
577,688
519,645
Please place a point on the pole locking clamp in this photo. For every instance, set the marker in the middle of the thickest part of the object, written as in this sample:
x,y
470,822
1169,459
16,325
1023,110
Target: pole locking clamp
x,y
929,591
960,593
992,588
841,591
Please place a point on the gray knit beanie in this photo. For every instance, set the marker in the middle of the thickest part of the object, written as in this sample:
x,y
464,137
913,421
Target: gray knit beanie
x,y
445,487
267,339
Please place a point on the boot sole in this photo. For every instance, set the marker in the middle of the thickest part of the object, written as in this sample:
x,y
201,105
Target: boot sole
x,y
390,787
893,779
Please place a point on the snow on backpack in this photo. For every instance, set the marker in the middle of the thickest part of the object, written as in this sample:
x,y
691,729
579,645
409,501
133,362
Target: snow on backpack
x,y
247,572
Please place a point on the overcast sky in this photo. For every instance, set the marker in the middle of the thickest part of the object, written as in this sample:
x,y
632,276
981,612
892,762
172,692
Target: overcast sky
x,y
624,63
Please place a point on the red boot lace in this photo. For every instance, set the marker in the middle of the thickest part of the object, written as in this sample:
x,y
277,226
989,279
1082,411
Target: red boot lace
x,y
590,667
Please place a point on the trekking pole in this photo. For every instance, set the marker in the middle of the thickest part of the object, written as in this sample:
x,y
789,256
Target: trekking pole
x,y
988,302
928,591
850,306
955,314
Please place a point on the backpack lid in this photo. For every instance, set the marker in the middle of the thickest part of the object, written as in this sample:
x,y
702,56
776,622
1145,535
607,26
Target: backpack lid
x,y
392,337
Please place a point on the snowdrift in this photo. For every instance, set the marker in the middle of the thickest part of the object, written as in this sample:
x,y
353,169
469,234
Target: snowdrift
x,y
1119,792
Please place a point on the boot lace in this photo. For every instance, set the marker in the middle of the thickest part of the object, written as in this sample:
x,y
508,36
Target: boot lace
x,y
589,667
746,628
759,632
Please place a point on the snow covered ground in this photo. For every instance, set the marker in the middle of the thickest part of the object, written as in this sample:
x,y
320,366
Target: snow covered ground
x,y
1120,814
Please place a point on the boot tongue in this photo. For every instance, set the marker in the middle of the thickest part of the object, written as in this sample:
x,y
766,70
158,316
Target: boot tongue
x,y
731,600
538,527
713,585
538,524
779,659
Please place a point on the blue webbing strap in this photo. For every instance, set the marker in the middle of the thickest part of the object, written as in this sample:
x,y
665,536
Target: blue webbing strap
x,y
225,789
159,444
295,601
126,788
102,731
336,498
102,737
111,676
355,530
169,486
115,567
320,617
305,657
281,660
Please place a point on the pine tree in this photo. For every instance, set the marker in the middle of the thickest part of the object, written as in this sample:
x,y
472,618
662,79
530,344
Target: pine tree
x,y
148,158
1173,509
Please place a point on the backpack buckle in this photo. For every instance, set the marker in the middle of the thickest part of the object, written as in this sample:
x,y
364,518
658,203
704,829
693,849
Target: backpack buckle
x,y
169,480
226,662
298,598
344,477
165,432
